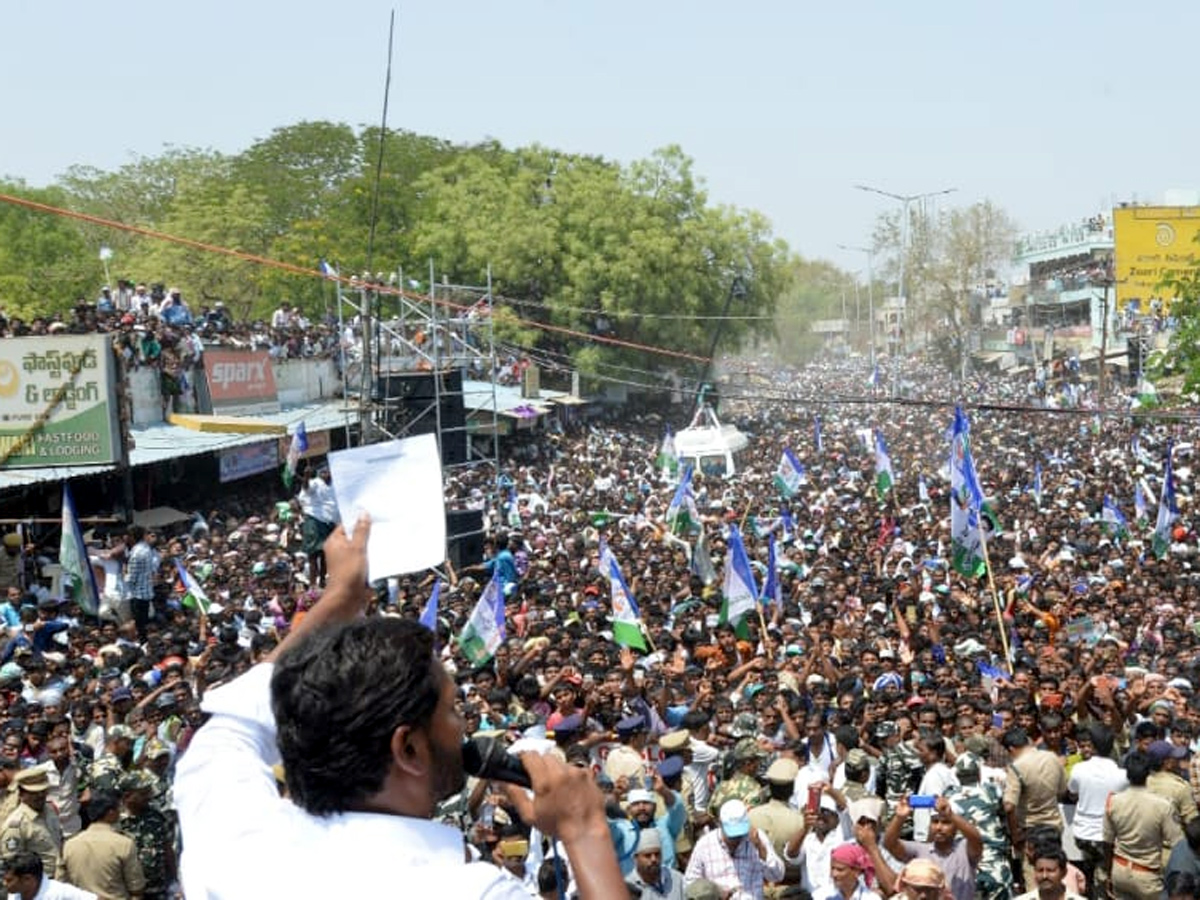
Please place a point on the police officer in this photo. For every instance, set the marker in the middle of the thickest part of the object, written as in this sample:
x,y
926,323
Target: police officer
x,y
742,784
776,818
1165,780
627,761
100,859
151,831
1138,824
33,826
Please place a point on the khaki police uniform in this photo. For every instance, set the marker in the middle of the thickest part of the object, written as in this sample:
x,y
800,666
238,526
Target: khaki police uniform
x,y
779,821
624,762
26,830
103,861
1175,789
1139,824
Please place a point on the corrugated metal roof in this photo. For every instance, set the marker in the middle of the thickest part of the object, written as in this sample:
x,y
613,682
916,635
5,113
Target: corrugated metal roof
x,y
477,397
157,443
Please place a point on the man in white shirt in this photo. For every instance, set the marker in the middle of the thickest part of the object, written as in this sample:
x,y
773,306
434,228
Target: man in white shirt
x,y
363,718
1091,781
816,848
931,748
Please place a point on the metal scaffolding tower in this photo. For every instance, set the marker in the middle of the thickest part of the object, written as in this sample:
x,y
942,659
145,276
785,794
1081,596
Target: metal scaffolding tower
x,y
408,359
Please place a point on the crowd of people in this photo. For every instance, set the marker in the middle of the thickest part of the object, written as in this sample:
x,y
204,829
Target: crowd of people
x,y
886,726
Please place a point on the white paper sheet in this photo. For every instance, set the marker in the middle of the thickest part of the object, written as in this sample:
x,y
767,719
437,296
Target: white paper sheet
x,y
399,483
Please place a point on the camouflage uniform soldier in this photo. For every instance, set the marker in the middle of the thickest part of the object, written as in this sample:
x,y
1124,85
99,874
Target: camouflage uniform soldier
x,y
108,769
743,783
156,754
900,768
982,804
151,831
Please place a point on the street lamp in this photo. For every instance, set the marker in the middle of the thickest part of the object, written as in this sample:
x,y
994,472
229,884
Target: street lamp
x,y
905,200
870,290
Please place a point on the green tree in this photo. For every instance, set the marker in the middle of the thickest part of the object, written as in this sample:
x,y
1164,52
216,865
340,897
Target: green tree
x,y
45,262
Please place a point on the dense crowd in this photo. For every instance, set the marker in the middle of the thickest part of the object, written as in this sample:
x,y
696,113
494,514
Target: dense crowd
x,y
863,735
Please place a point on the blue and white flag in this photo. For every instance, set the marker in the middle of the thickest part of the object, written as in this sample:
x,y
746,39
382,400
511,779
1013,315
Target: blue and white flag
x,y
328,270
485,630
740,592
626,618
787,527
1167,510
429,615
922,489
1037,484
772,592
820,444
874,380
193,594
682,515
78,577
1114,519
297,448
966,500
789,475
1139,502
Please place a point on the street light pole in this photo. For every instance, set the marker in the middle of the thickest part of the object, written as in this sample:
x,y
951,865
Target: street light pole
x,y
870,291
905,200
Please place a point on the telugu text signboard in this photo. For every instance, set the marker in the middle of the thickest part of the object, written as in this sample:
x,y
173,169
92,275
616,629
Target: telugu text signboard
x,y
58,403
1151,243
240,381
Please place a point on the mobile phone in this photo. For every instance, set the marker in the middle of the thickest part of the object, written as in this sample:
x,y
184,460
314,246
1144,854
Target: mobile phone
x,y
922,801
814,797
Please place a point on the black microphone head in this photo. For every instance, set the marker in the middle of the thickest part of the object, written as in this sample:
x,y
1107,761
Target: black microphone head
x,y
485,757
472,755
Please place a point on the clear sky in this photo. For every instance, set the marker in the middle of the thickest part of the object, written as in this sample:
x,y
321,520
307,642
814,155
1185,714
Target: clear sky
x,y
1051,109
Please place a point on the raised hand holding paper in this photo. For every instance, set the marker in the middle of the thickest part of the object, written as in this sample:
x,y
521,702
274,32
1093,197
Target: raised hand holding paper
x,y
400,484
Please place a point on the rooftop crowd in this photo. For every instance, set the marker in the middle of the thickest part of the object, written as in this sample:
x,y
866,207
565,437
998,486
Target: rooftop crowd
x,y
864,736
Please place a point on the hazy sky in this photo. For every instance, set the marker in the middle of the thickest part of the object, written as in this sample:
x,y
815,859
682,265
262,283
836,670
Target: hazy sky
x,y
1050,109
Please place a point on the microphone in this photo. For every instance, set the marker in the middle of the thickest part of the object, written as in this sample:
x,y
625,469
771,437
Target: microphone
x,y
486,758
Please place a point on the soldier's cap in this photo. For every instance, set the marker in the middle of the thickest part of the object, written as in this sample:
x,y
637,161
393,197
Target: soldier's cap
x,y
979,745
866,808
121,732
35,780
782,771
886,729
631,725
858,760
967,764
674,741
744,725
671,766
156,748
137,780
744,749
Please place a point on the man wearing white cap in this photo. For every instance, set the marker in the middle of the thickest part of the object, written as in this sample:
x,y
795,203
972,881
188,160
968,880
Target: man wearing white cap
x,y
735,857
650,879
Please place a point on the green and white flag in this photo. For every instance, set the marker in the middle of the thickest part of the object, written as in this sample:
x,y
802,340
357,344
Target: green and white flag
x,y
78,577
1167,510
966,501
626,619
485,629
884,477
193,595
740,592
1114,520
682,515
668,459
790,474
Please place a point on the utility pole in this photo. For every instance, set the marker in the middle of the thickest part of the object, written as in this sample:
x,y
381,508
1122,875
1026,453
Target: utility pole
x,y
905,200
870,292
1100,385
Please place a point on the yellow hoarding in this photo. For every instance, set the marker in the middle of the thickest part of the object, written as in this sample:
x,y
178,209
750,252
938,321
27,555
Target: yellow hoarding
x,y
1152,242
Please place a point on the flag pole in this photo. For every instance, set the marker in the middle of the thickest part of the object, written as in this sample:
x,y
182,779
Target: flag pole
x,y
987,564
646,635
